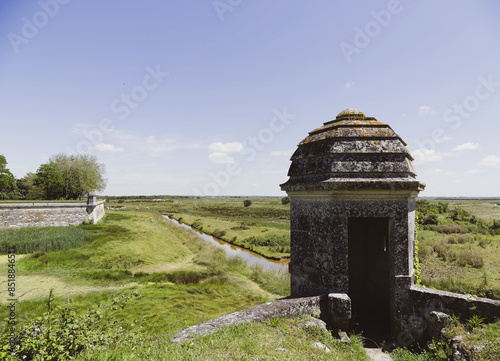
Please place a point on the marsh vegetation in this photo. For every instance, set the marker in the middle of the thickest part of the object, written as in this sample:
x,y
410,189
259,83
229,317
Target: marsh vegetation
x,y
141,279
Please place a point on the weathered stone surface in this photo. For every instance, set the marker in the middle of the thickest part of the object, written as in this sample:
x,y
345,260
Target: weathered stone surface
x,y
425,300
287,307
44,214
351,168
337,310
314,322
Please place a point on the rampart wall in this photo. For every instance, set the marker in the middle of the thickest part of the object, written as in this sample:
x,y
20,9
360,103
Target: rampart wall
x,y
43,214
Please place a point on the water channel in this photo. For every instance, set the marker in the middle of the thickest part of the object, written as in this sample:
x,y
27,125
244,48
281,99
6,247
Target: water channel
x,y
231,250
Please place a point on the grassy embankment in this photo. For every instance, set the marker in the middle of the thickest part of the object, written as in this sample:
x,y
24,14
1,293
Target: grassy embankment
x,y
145,279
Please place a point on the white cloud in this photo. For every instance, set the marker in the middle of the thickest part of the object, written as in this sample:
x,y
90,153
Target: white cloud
x,y
348,85
474,171
151,139
425,110
440,172
282,153
103,147
490,161
423,155
220,158
220,152
466,146
233,147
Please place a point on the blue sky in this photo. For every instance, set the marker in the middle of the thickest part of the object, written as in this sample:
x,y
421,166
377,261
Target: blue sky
x,y
212,97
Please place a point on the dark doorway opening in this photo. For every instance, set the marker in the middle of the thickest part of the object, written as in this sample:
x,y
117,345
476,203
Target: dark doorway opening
x,y
369,267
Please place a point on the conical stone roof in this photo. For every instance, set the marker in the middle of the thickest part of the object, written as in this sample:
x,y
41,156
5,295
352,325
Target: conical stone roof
x,y
352,152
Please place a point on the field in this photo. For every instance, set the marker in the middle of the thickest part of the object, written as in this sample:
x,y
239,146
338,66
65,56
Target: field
x,y
263,227
134,279
459,246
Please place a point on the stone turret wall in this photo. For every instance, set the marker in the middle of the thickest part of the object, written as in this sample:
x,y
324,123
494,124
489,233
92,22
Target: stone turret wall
x,y
44,214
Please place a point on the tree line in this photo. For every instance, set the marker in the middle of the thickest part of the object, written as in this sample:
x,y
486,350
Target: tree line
x,y
62,177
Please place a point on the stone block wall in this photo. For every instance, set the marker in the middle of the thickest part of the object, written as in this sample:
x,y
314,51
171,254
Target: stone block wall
x,y
44,214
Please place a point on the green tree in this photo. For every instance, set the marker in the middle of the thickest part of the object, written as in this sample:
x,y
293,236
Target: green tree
x,y
51,180
28,189
247,202
83,173
8,188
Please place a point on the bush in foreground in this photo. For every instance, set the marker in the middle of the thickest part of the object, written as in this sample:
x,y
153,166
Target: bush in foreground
x,y
62,334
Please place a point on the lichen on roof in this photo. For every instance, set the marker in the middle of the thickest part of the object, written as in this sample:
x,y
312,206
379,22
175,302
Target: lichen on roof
x,y
350,148
350,111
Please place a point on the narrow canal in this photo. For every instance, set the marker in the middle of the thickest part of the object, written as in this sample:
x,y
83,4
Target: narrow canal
x,y
231,250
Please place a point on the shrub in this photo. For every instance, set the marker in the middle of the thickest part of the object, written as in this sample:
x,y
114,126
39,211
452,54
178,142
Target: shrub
x,y
431,218
470,258
459,214
444,252
247,202
424,251
455,239
185,277
450,228
62,334
483,242
218,233
285,200
270,240
197,224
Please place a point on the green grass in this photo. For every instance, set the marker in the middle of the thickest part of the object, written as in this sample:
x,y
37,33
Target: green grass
x,y
283,339
267,219
463,263
42,239
180,276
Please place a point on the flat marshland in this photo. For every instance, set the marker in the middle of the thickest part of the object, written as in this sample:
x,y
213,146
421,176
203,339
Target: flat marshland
x,y
127,284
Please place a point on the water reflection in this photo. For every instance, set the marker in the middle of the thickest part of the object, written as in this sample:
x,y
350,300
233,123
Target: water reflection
x,y
231,250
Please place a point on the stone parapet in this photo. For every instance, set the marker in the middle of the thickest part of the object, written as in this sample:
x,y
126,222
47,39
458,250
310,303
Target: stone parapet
x,y
44,214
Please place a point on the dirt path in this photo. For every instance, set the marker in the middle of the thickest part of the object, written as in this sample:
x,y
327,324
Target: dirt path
x,y
37,286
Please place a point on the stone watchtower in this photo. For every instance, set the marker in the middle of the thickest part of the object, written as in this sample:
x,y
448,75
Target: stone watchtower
x,y
352,192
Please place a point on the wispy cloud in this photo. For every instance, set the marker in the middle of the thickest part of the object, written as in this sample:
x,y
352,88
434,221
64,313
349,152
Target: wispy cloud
x,y
426,110
220,152
282,153
233,147
103,147
466,146
423,155
475,171
349,84
440,172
